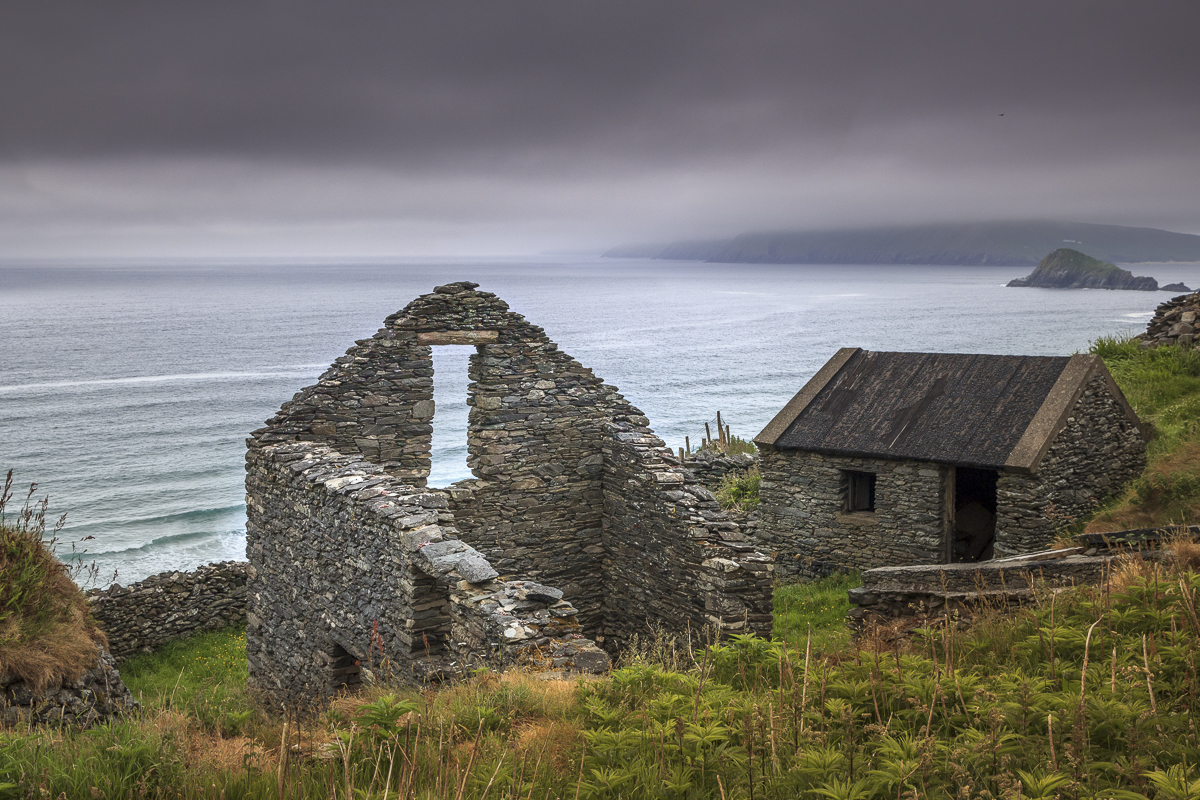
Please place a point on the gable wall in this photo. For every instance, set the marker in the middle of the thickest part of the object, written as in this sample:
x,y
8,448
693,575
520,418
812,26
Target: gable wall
x,y
572,490
801,517
1096,453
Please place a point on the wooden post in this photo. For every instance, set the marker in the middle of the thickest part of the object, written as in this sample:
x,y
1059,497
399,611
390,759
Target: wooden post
x,y
728,438
707,433
681,454
688,442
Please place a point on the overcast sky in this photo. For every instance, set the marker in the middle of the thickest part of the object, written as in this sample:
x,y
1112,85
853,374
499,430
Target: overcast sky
x,y
434,126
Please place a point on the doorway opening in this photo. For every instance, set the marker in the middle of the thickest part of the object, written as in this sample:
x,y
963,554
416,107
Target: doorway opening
x,y
974,514
448,462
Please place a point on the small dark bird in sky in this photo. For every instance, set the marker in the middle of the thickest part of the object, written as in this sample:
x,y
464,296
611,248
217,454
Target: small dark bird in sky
x,y
1002,115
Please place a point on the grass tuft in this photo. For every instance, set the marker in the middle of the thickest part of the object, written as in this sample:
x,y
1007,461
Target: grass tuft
x,y
46,632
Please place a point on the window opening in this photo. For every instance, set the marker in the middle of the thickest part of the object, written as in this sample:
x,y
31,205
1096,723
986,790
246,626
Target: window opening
x,y
860,491
451,364
345,672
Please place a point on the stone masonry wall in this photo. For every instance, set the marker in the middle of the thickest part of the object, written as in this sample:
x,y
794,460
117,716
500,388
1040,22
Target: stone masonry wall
x,y
541,446
170,605
802,518
676,561
1096,453
353,567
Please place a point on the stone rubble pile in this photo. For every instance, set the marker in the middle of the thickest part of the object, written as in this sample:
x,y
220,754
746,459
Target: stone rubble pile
x,y
1174,322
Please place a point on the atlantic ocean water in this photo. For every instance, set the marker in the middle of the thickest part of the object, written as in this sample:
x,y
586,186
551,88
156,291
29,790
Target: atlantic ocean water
x,y
127,389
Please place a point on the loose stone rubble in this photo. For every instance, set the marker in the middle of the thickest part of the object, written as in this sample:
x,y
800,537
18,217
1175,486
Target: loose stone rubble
x,y
1174,322
145,615
96,696
356,562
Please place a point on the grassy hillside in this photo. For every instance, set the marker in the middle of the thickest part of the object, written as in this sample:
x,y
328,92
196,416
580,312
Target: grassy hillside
x,y
1090,694
1163,386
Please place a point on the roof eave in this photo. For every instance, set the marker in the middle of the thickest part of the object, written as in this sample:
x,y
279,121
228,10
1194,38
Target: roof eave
x,y
795,407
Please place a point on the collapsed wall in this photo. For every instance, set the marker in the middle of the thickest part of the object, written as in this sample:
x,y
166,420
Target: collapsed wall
x,y
572,495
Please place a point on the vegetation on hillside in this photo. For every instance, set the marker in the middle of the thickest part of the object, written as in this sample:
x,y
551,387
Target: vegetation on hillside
x,y
46,633
1090,693
1163,386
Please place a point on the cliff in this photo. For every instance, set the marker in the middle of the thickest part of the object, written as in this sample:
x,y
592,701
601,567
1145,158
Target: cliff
x,y
1070,269
979,243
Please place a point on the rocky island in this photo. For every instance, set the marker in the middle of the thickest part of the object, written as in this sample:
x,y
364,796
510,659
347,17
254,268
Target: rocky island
x,y
1070,269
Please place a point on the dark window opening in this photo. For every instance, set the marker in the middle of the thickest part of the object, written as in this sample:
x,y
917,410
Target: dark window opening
x,y
974,514
345,673
860,491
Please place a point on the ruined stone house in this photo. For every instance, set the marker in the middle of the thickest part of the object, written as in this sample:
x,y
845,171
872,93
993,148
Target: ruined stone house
x,y
579,528
888,459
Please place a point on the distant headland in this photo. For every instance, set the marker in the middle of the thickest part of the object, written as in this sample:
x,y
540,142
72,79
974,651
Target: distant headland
x,y
1070,269
984,243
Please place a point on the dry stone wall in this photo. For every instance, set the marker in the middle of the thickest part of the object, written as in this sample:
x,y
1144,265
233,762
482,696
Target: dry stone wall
x,y
802,518
353,568
170,605
540,511
95,696
676,561
1175,322
1096,453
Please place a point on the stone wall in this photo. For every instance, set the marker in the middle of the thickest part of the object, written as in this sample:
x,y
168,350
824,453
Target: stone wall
x,y
802,518
676,561
353,568
97,695
559,499
1174,322
170,605
711,468
1097,452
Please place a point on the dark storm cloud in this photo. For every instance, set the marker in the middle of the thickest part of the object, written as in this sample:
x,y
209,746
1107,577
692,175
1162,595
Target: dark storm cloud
x,y
592,115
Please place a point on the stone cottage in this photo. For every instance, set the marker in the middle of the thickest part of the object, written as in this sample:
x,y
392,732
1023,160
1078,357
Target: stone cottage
x,y
578,529
887,459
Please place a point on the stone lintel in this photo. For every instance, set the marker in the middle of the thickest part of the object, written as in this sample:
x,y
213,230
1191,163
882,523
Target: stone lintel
x,y
457,337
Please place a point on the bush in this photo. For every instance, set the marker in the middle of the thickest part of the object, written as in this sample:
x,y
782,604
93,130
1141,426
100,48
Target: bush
x,y
739,491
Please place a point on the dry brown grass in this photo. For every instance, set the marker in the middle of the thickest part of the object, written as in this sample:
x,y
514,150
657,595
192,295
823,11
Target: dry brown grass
x,y
46,634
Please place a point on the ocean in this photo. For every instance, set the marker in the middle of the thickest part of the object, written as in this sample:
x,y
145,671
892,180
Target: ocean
x,y
127,389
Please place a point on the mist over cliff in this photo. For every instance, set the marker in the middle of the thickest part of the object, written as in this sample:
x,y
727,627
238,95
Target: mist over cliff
x,y
985,243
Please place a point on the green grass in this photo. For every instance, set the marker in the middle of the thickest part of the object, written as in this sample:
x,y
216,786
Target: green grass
x,y
821,604
987,713
1163,387
204,675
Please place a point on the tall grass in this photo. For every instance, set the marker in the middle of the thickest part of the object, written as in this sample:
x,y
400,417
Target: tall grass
x,y
1163,386
46,632
1091,694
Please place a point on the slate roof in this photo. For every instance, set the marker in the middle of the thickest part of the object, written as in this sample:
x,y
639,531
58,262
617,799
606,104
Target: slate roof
x,y
969,410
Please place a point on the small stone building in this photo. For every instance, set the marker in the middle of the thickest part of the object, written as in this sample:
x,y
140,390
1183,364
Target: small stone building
x,y
578,529
888,459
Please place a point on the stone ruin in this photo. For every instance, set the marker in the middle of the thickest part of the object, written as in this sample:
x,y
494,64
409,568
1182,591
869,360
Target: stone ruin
x,y
579,530
1174,322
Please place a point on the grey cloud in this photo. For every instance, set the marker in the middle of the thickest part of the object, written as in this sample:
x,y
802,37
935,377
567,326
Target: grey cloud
x,y
520,120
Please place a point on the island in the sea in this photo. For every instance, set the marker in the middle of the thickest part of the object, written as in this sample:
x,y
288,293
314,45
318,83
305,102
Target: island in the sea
x,y
1070,269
